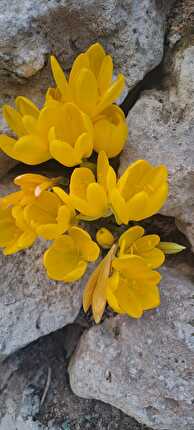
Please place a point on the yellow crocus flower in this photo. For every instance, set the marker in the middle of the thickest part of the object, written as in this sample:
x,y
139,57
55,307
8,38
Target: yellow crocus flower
x,y
134,242
90,85
71,137
104,237
15,234
49,216
27,122
67,258
110,131
31,186
90,196
132,288
140,192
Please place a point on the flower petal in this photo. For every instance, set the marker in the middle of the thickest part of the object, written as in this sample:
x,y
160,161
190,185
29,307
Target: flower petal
x,y
96,56
110,95
105,74
60,79
86,91
14,120
89,288
104,237
26,107
61,258
154,258
81,178
64,153
129,237
88,248
119,207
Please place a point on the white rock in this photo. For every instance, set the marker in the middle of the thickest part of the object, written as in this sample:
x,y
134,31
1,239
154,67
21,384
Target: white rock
x,y
144,367
29,31
31,305
161,130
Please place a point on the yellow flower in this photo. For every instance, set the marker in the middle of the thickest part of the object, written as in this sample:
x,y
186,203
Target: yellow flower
x,y
27,122
132,288
133,242
90,84
67,258
31,186
140,192
95,294
71,137
49,216
88,196
15,234
104,238
110,131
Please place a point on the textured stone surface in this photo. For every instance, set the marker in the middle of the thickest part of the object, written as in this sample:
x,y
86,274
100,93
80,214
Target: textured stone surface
x,y
31,305
144,367
23,378
161,129
29,31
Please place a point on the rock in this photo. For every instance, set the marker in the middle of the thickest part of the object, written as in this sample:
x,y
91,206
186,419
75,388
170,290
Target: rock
x,y
161,130
144,367
23,378
31,305
30,32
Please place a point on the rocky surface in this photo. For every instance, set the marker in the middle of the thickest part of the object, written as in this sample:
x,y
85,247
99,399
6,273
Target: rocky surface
x,y
29,32
144,367
161,129
35,393
31,305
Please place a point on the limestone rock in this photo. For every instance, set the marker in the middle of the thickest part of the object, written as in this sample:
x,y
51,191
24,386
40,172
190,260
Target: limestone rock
x,y
161,130
23,378
144,367
31,305
29,32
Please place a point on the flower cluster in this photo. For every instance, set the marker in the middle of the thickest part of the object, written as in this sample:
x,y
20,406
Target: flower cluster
x,y
80,116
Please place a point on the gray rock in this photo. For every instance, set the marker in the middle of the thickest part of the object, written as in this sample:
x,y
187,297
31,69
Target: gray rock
x,y
144,367
29,32
161,130
31,305
23,380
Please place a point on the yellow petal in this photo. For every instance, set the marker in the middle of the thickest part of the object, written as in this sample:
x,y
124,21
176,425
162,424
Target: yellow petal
x,y
44,210
31,179
110,95
105,74
89,288
111,286
156,201
87,247
148,295
31,149
77,273
62,195
64,153
82,61
96,193
110,132
134,267
104,237
99,295
129,237
135,207
128,183
26,107
155,177
14,120
61,258
128,301
86,91
96,56
146,242
84,146
171,247
154,257
8,145
119,207
29,123
60,79
74,124
80,180
12,199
